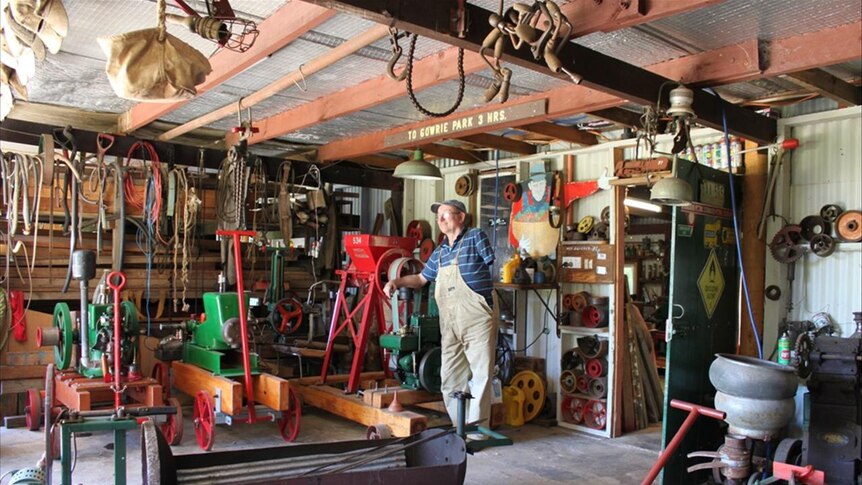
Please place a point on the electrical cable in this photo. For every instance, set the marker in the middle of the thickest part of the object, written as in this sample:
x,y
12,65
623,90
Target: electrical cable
x,y
747,294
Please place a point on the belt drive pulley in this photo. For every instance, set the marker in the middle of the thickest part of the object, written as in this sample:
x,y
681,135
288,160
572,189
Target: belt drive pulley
x,y
830,212
822,245
814,225
784,246
849,226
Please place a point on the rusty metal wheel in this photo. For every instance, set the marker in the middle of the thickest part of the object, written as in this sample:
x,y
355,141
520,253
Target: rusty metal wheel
x,y
291,417
849,226
204,414
784,244
172,428
465,186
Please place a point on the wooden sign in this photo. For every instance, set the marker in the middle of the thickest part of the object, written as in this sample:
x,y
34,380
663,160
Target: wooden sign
x,y
586,263
451,128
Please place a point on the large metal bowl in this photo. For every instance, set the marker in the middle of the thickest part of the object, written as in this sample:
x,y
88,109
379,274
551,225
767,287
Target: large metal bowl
x,y
752,378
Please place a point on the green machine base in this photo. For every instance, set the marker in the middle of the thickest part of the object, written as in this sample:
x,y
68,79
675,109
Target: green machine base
x,y
494,439
228,364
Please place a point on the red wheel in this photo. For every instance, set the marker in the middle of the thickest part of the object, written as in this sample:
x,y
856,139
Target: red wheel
x,y
597,368
425,249
288,425
596,415
583,384
33,410
419,230
512,192
290,310
204,420
591,316
161,373
573,409
172,428
384,263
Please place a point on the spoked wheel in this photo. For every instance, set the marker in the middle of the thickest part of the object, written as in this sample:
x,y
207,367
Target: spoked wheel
x,y
161,374
204,420
172,428
288,425
596,416
33,410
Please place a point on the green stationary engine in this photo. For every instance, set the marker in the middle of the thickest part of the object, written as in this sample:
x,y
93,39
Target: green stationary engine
x,y
98,332
415,346
217,337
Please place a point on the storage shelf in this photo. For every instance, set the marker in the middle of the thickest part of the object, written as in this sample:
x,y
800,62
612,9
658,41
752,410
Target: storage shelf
x,y
585,397
601,332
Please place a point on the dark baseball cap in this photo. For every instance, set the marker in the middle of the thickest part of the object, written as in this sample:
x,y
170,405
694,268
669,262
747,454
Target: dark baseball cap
x,y
452,203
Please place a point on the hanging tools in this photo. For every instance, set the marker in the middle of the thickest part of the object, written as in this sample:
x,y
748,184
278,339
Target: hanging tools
x,y
104,142
67,140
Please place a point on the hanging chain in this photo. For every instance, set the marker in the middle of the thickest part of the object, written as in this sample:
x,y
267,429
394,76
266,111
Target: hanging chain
x,y
412,95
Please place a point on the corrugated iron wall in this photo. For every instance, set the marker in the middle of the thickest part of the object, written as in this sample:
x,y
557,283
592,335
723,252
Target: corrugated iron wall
x,y
825,169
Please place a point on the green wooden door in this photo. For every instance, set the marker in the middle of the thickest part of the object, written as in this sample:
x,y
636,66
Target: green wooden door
x,y
704,302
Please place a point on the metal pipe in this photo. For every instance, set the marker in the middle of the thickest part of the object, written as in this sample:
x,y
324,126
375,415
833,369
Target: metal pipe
x,y
83,327
248,472
83,269
694,411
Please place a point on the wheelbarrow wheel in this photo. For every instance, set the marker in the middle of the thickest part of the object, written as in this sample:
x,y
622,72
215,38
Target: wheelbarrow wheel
x,y
204,420
288,425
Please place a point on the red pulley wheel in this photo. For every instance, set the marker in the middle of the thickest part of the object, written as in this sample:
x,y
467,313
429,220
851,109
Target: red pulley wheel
x,y
591,316
596,415
583,384
425,249
597,368
512,192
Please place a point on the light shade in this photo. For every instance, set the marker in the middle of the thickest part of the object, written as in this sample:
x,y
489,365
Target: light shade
x,y
417,169
641,204
672,191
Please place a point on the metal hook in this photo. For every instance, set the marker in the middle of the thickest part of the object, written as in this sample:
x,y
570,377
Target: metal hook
x,y
396,55
304,86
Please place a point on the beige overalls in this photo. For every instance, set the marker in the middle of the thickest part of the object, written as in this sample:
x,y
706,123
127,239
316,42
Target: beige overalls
x,y
468,343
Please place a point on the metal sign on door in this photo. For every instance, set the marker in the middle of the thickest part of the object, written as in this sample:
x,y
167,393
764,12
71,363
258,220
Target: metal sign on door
x,y
710,283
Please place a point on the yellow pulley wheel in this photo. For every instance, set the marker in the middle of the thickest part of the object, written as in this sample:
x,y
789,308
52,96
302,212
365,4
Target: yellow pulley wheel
x,y
534,392
586,224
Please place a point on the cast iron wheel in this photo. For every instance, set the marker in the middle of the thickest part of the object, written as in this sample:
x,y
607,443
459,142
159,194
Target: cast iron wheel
x,y
291,418
33,410
63,350
172,428
204,420
161,374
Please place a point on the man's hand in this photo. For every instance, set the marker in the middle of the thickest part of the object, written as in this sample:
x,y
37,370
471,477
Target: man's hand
x,y
388,288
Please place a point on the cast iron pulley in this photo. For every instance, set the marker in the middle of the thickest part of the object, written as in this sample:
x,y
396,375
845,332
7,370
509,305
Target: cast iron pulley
x,y
597,367
585,225
606,215
580,300
822,245
596,414
830,212
592,347
773,292
571,359
291,417
62,323
600,232
429,370
556,211
33,410
172,428
592,316
583,384
789,451
512,192
784,246
387,269
465,186
599,387
204,414
568,381
534,392
812,226
573,409
802,360
849,226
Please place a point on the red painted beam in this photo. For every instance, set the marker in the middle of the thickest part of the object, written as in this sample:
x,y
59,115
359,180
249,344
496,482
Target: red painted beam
x,y
280,29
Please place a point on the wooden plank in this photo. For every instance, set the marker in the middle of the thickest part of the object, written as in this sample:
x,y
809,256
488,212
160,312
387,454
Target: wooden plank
x,y
271,391
753,248
14,421
564,133
341,378
829,86
351,407
499,142
191,379
381,398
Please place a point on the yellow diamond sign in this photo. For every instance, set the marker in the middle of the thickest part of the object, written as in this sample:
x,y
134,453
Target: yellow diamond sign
x,y
711,283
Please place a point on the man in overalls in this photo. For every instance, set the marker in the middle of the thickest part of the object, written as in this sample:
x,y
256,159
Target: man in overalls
x,y
461,266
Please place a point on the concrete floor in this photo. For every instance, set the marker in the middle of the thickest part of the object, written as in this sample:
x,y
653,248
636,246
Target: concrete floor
x,y
539,456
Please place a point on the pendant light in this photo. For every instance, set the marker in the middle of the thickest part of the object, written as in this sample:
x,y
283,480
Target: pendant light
x,y
417,169
672,191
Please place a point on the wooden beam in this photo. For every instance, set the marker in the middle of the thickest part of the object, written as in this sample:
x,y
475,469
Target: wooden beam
x,y
332,56
596,70
564,133
828,86
619,116
753,249
440,67
814,49
279,29
500,143
455,153
738,62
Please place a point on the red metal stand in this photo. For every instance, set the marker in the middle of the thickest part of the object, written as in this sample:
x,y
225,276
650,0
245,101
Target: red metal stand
x,y
694,411
118,356
370,257
243,316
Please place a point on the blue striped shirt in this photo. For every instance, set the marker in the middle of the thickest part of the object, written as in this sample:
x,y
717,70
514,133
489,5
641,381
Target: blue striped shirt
x,y
474,261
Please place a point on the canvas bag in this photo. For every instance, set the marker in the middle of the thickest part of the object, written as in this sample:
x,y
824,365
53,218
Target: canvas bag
x,y
152,65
